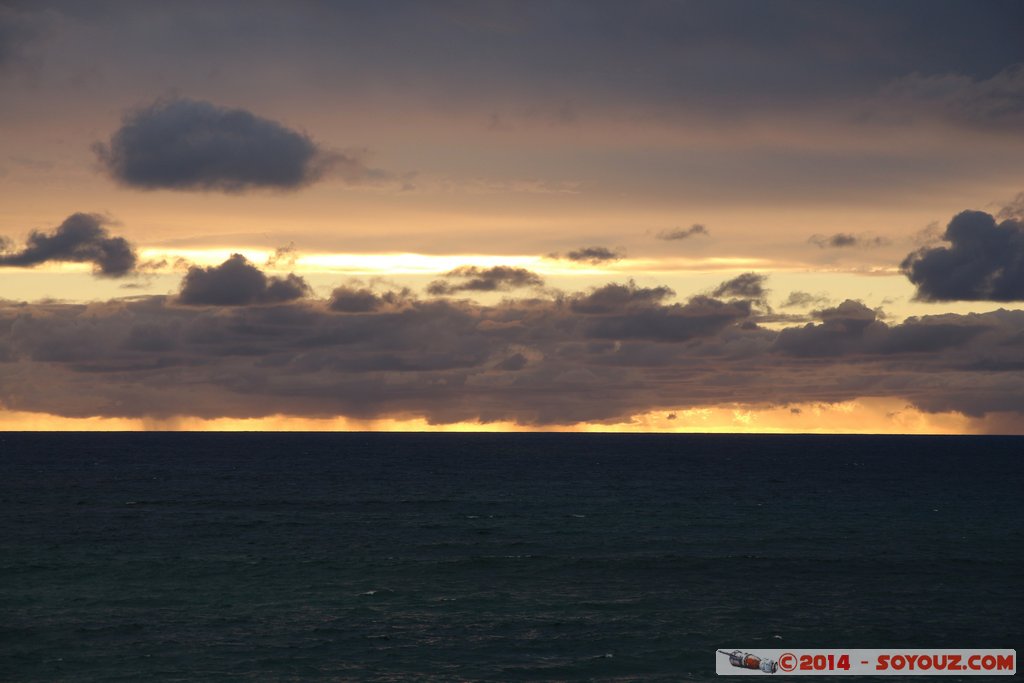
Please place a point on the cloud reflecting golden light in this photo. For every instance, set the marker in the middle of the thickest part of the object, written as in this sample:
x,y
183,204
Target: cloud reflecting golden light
x,y
862,416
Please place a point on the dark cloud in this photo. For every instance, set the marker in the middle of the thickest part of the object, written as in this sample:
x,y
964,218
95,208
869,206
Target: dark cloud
x,y
700,316
237,282
840,332
844,239
356,299
847,313
592,255
852,328
683,233
616,298
533,361
474,279
805,73
745,286
81,238
931,337
184,144
987,103
983,262
837,240
513,363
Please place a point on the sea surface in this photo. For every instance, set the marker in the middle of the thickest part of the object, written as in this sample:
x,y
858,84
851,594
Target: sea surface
x,y
432,557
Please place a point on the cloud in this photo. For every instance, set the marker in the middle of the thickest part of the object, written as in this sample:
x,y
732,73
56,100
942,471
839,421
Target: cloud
x,y
533,361
745,286
683,233
592,255
474,279
844,239
616,298
800,299
1013,209
700,316
987,103
286,255
237,282
81,238
851,328
841,329
183,144
786,55
983,262
356,299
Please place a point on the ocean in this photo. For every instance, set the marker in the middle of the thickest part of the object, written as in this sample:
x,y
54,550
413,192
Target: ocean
x,y
495,557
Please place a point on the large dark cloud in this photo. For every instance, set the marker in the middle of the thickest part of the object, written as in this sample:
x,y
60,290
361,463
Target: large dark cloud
x,y
983,262
184,144
494,279
81,238
535,361
237,282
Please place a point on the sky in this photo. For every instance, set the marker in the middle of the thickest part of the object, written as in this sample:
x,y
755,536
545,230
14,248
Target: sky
x,y
727,216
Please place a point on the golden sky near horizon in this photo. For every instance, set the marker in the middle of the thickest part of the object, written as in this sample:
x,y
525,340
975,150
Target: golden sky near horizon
x,y
374,153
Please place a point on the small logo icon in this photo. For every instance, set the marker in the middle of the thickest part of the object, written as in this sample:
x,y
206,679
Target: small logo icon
x,y
744,660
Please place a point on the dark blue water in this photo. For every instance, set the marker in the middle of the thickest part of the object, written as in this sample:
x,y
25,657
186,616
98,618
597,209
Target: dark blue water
x,y
128,557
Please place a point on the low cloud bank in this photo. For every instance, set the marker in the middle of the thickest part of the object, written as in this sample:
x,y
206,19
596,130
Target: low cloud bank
x,y
556,358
